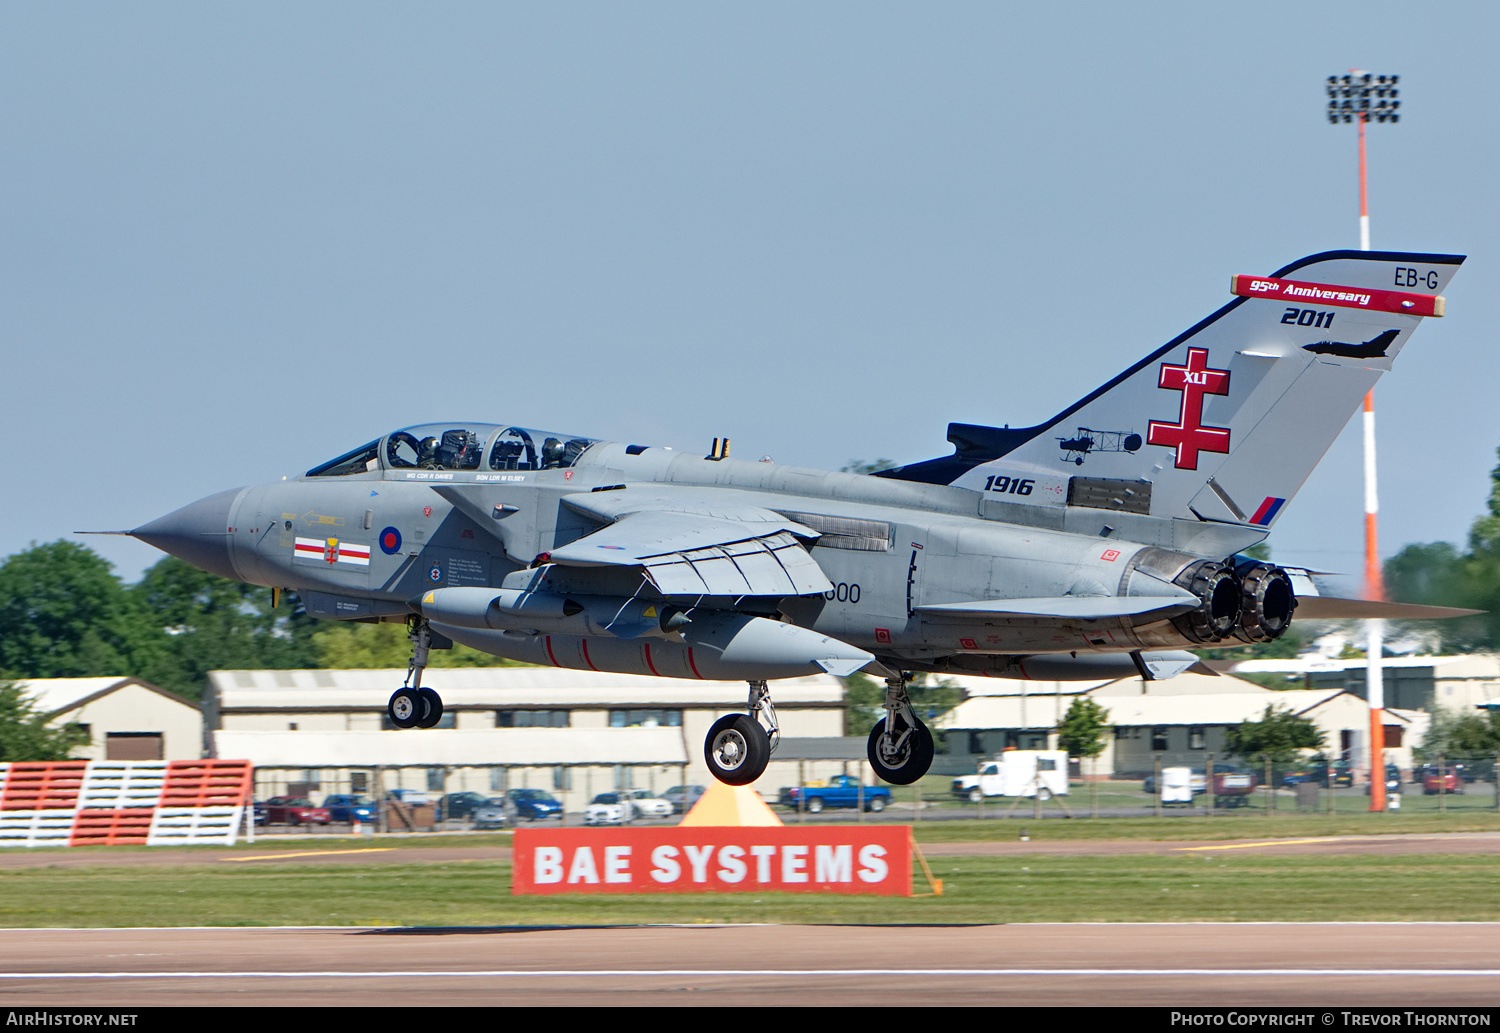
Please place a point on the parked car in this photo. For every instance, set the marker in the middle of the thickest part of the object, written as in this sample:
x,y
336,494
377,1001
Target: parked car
x,y
1458,767
1338,774
294,810
647,805
838,791
491,814
347,808
1230,780
607,809
1392,780
1198,781
456,806
682,798
533,804
1442,780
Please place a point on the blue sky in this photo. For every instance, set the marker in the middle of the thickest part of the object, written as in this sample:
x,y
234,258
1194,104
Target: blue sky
x,y
241,239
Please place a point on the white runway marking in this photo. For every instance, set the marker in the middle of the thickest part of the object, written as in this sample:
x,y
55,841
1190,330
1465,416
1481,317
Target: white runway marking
x,y
1406,973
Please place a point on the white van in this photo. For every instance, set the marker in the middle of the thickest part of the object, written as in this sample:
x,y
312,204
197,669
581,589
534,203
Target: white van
x,y
1042,773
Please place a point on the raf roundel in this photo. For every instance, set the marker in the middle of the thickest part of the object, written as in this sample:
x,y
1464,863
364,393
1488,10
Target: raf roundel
x,y
390,541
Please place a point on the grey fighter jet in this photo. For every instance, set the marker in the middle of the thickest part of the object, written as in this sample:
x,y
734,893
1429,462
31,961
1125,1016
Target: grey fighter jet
x,y
998,559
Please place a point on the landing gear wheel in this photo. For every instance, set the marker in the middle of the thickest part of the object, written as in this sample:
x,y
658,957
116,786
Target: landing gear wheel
x,y
432,703
906,762
405,708
737,749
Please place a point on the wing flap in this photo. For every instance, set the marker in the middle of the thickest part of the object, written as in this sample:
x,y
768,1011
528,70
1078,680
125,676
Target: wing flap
x,y
688,555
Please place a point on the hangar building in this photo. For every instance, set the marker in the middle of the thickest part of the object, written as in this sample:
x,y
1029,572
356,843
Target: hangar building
x,y
1179,721
126,718
572,733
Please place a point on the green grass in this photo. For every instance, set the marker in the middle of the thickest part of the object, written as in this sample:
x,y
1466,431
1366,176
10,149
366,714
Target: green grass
x,y
1471,812
1185,887
1192,827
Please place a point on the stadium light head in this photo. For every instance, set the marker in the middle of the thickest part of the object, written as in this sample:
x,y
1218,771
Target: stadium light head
x,y
1361,96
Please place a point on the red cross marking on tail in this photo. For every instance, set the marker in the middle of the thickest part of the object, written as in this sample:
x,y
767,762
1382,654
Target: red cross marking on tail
x,y
1188,435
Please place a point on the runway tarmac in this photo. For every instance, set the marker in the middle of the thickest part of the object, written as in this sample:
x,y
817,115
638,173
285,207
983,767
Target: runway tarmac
x,y
1246,966
1241,965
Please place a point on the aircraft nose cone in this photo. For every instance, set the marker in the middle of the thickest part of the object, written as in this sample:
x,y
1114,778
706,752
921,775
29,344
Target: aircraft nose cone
x,y
197,533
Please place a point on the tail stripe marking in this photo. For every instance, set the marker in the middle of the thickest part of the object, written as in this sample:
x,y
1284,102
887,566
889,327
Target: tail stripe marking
x,y
1267,511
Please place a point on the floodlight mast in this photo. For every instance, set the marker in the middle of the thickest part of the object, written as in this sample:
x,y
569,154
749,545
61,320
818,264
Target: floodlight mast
x,y
1357,97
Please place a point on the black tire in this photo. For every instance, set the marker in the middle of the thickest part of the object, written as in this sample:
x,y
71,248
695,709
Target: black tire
x,y
976,795
405,708
434,708
876,804
815,805
737,749
911,764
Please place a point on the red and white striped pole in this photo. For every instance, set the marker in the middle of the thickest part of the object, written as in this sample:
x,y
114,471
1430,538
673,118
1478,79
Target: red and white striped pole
x,y
1364,192
1374,629
1350,101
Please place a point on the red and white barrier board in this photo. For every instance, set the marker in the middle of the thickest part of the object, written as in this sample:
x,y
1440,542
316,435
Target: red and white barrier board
x,y
109,803
873,859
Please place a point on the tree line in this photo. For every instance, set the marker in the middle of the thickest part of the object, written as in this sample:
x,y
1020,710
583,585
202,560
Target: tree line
x,y
1442,574
64,613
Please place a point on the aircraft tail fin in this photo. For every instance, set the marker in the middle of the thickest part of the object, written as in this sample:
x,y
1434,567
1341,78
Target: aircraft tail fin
x,y
1225,422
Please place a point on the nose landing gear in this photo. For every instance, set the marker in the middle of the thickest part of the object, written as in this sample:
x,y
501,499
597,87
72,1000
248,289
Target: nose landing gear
x,y
413,705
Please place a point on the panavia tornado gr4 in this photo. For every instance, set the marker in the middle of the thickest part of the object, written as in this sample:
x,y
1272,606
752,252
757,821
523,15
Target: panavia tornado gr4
x,y
1027,553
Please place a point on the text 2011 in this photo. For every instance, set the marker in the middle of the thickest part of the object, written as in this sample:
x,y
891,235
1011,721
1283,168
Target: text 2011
x,y
1307,317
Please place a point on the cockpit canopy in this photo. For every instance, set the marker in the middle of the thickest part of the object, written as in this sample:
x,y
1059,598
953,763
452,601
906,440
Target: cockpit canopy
x,y
459,446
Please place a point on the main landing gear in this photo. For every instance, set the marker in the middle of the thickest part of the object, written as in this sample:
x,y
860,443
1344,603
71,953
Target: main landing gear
x,y
739,746
412,705
900,748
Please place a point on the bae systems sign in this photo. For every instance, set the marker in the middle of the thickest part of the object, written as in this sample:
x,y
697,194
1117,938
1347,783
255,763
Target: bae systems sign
x,y
715,859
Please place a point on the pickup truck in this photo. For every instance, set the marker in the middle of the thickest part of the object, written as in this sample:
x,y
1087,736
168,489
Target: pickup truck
x,y
838,791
